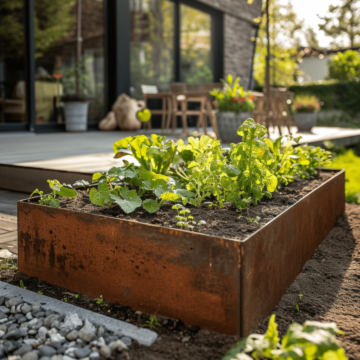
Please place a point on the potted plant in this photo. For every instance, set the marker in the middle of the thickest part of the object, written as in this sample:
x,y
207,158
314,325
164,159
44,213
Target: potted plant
x,y
234,106
76,106
306,108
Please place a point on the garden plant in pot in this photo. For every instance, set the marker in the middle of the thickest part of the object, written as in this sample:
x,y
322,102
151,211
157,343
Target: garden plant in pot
x,y
234,106
306,108
76,105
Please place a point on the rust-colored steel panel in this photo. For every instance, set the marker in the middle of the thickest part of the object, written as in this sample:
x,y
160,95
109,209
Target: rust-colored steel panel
x,y
274,255
220,284
178,274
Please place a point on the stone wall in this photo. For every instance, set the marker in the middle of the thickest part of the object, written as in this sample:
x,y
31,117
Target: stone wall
x,y
238,30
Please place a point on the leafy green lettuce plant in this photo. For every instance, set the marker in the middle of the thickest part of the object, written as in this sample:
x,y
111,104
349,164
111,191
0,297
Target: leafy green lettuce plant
x,y
285,163
252,158
311,341
57,190
153,154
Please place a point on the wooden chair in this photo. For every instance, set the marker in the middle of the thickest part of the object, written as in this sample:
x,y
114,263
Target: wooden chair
x,y
178,98
209,111
151,92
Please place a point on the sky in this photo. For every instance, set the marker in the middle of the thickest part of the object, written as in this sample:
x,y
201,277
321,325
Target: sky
x,y
307,10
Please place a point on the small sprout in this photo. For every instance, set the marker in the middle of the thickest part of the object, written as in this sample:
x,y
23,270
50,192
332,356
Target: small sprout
x,y
180,223
190,217
177,207
166,223
183,212
76,296
65,299
190,227
100,301
22,284
186,225
297,307
254,219
151,323
180,218
202,222
39,292
193,222
207,203
300,296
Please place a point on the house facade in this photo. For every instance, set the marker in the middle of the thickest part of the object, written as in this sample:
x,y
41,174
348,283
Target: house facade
x,y
102,48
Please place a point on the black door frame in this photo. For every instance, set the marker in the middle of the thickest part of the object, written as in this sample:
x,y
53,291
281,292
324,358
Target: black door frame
x,y
116,54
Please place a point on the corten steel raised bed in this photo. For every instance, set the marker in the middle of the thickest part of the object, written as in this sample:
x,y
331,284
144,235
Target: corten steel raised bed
x,y
217,283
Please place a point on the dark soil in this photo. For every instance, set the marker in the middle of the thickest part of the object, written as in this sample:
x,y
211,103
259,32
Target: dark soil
x,y
329,283
226,222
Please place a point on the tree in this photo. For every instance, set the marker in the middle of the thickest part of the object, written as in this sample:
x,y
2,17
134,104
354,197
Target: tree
x,y
53,19
343,20
345,66
284,28
311,38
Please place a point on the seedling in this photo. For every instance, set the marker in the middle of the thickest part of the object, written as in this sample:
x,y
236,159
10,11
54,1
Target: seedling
x,y
151,323
297,307
57,190
76,296
300,296
184,218
65,299
253,219
39,292
100,301
22,284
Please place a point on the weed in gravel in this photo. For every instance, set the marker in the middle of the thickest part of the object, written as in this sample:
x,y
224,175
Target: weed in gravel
x,y
8,264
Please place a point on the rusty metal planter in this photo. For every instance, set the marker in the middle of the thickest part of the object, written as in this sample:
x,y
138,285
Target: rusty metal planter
x,y
217,283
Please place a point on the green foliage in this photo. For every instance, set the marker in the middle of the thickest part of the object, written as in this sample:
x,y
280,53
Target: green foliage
x,y
57,190
350,162
151,323
284,43
311,158
252,157
345,66
233,97
333,95
100,301
152,154
285,162
312,341
22,284
127,199
342,19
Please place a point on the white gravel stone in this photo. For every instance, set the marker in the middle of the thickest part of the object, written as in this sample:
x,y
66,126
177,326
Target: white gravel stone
x,y
72,335
29,316
42,332
88,331
18,308
2,333
94,356
57,338
51,332
105,352
26,308
33,342
13,310
72,321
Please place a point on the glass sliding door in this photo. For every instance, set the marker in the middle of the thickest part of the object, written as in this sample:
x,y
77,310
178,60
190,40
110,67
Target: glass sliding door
x,y
12,63
68,61
152,44
195,40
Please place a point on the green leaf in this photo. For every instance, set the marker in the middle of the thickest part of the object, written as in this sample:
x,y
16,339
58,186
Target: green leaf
x,y
149,175
54,203
37,192
184,193
128,171
235,350
101,195
150,205
272,334
62,190
170,196
231,170
97,176
130,200
143,115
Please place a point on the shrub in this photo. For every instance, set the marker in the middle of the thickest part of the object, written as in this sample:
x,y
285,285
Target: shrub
x,y
345,66
306,103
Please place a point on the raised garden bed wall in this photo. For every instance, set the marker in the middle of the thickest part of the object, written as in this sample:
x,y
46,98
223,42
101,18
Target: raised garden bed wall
x,y
221,284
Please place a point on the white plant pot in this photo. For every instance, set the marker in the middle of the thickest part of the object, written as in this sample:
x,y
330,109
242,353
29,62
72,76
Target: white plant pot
x,y
228,123
305,121
76,114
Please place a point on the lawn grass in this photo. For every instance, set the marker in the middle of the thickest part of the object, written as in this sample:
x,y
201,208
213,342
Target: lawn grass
x,y
351,163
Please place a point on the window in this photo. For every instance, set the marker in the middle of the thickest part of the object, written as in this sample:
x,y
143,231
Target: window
x,y
12,64
195,40
152,44
66,64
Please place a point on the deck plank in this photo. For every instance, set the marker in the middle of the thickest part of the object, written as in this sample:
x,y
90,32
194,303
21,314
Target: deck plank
x,y
11,246
9,226
11,236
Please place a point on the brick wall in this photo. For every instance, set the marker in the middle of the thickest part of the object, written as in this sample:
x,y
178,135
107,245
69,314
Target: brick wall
x,y
238,48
